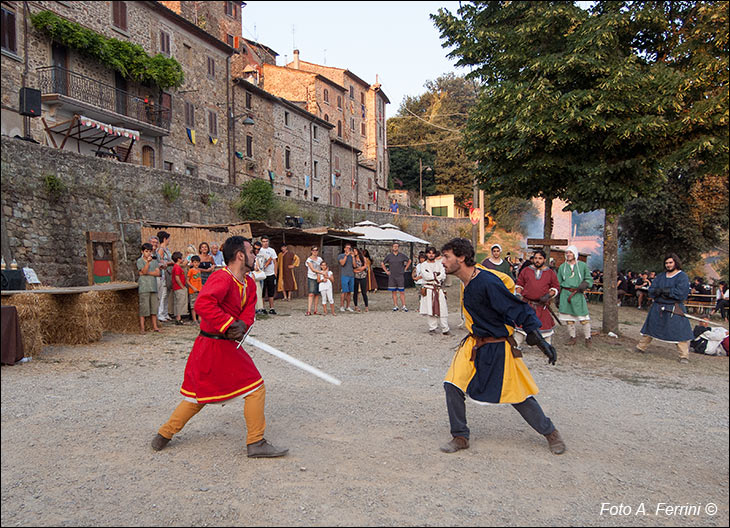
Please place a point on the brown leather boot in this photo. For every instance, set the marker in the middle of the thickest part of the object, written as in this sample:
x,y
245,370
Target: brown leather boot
x,y
572,341
456,443
159,442
555,443
263,449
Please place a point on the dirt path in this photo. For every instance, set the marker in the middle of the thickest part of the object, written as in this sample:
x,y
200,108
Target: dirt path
x,y
640,430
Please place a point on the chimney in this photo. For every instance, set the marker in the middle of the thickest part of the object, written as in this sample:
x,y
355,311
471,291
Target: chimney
x,y
296,59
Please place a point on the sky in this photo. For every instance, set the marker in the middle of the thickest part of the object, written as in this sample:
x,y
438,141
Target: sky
x,y
396,41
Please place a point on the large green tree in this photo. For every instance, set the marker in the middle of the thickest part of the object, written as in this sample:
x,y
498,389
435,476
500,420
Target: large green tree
x,y
429,128
575,104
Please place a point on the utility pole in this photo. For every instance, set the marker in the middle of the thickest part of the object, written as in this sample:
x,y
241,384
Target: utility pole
x,y
420,181
475,227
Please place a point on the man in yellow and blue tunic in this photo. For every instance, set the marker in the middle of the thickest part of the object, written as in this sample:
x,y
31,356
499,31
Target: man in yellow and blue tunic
x,y
488,366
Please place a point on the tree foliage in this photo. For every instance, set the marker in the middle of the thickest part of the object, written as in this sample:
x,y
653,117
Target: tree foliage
x,y
429,127
255,200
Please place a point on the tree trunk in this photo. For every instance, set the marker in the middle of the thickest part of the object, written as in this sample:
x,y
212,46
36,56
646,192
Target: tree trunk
x,y
610,273
547,232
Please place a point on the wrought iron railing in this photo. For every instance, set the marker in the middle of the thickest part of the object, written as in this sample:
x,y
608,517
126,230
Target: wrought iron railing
x,y
58,80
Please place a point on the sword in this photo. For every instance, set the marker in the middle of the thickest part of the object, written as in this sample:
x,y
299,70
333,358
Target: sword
x,y
672,312
557,319
286,357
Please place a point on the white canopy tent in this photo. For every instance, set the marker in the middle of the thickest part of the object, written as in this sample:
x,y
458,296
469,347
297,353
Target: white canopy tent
x,y
371,232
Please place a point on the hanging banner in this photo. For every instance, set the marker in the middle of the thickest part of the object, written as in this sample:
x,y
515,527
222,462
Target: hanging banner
x,y
191,135
474,215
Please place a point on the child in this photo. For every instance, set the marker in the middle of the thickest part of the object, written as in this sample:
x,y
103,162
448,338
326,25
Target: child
x,y
180,294
325,287
190,252
148,272
196,282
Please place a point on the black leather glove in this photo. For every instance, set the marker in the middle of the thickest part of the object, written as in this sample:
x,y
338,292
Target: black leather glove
x,y
237,330
583,286
545,299
535,338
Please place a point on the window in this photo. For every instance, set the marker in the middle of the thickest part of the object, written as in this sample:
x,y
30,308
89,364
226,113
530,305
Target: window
x,y
362,129
191,170
337,163
440,211
287,158
230,41
212,123
230,8
165,43
119,15
314,132
148,156
287,192
189,115
352,92
249,146
248,99
286,119
339,102
352,124
362,97
339,128
9,38
211,67
370,184
326,96
168,166
327,118
316,174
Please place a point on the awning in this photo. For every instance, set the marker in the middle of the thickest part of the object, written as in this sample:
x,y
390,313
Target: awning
x,y
82,128
390,234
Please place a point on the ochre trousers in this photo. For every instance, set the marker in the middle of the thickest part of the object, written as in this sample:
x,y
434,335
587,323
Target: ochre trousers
x,y
253,414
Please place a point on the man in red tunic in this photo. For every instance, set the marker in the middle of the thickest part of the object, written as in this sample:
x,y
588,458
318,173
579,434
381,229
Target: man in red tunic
x,y
537,284
217,369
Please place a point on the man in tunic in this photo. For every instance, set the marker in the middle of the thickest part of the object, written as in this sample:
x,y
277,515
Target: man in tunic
x,y
433,303
537,285
495,262
669,290
217,369
286,263
574,278
487,366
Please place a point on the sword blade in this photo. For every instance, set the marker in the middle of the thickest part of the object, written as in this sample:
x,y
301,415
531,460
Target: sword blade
x,y
289,359
687,316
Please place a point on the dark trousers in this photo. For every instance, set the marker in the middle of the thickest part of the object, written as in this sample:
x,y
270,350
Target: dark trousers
x,y
529,409
362,285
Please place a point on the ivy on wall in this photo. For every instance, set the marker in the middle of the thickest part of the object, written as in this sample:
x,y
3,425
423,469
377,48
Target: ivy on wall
x,y
130,60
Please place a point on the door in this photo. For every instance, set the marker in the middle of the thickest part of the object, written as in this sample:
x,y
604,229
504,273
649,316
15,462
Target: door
x,y
120,83
59,58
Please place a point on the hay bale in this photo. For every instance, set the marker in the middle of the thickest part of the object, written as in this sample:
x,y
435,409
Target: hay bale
x,y
30,326
118,310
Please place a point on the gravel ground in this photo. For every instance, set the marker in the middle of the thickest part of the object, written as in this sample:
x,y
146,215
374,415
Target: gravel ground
x,y
642,431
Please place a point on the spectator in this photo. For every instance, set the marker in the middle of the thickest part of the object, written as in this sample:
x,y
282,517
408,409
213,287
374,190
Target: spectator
x,y
721,300
189,253
288,260
217,254
270,272
313,264
372,283
495,262
360,268
164,281
259,276
417,275
347,278
195,284
325,288
206,261
642,289
148,273
395,265
394,206
179,292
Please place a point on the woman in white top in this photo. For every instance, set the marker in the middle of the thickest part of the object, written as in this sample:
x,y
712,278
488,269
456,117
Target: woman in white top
x,y
313,263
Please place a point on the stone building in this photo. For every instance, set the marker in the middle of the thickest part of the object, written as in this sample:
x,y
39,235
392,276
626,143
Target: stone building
x,y
178,130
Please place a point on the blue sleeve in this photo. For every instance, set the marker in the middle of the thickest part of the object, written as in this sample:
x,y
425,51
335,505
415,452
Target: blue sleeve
x,y
654,287
515,311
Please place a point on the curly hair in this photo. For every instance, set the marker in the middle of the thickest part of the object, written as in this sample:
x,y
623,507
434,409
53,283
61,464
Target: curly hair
x,y
461,247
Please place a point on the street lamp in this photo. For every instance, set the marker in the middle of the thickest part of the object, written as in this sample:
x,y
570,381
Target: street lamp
x,y
420,180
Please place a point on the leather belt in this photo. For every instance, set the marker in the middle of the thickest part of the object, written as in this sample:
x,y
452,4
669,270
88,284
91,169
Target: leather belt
x,y
214,336
483,340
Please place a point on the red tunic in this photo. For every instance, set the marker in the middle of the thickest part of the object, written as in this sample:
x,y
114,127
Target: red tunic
x,y
534,288
216,370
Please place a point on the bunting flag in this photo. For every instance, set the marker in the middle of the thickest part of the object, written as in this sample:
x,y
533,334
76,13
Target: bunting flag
x,y
213,140
191,135
239,155
306,180
334,179
272,175
363,111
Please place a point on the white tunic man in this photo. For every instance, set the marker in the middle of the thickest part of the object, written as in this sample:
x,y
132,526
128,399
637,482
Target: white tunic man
x,y
433,297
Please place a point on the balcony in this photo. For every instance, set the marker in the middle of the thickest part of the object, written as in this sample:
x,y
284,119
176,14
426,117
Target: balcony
x,y
77,94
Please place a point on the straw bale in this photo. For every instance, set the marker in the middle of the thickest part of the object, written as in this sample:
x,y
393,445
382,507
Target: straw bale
x,y
118,310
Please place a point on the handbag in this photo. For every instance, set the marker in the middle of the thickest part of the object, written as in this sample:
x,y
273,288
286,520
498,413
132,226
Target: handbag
x,y
259,275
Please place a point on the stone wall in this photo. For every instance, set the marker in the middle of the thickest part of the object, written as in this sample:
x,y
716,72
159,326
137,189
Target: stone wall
x,y
48,234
